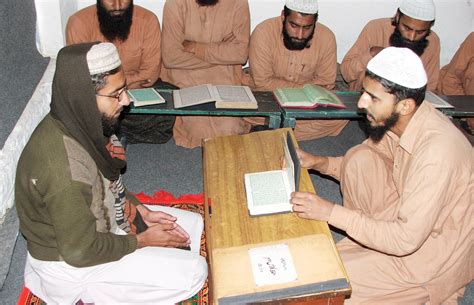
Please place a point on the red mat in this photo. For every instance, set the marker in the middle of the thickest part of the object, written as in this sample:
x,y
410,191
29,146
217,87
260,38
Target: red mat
x,y
189,202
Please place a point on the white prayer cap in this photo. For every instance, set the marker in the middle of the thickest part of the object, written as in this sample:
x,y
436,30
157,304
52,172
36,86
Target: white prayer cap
x,y
303,6
103,57
419,9
399,65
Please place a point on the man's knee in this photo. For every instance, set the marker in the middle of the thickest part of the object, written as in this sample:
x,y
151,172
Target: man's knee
x,y
201,273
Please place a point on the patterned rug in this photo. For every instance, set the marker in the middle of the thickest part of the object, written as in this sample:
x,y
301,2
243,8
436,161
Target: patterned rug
x,y
193,203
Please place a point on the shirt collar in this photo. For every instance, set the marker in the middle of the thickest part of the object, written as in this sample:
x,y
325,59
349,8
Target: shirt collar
x,y
411,134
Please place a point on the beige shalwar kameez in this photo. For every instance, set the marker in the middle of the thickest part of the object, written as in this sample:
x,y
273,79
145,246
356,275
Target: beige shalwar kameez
x,y
408,209
273,66
377,34
140,53
217,59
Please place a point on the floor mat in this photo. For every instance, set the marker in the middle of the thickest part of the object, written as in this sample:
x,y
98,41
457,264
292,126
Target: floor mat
x,y
193,203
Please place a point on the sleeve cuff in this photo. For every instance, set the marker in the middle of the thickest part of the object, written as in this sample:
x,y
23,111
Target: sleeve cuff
x,y
132,243
340,217
333,169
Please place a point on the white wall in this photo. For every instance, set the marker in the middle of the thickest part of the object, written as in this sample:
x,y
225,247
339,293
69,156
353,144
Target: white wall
x,y
454,19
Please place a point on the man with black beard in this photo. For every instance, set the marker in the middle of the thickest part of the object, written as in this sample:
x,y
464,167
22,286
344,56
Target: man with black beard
x,y
135,31
409,28
88,238
292,50
407,193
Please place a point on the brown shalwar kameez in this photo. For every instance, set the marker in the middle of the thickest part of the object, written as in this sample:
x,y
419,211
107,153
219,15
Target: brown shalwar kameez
x,y
273,66
377,34
216,59
408,209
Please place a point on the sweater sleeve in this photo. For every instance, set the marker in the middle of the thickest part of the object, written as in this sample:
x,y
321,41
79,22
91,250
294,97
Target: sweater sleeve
x,y
78,242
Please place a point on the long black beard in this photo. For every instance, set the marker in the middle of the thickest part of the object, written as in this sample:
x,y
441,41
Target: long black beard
x,y
376,133
109,126
294,44
207,2
115,27
397,40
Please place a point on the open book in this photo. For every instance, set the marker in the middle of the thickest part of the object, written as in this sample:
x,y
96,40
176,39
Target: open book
x,y
269,192
436,100
310,96
145,96
237,97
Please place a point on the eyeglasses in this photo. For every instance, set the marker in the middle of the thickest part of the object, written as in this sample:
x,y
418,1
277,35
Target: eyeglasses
x,y
117,95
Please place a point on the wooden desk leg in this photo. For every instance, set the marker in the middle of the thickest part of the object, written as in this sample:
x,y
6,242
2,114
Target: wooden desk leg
x,y
289,122
274,121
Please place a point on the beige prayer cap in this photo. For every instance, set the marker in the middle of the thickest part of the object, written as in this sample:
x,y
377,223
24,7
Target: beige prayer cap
x,y
103,57
399,65
303,6
419,9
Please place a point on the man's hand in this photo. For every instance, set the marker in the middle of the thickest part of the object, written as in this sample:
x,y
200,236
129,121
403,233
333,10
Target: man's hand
x,y
154,218
189,46
375,50
140,84
163,235
308,160
311,206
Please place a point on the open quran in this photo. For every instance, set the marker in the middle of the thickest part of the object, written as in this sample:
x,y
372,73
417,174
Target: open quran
x,y
310,96
224,96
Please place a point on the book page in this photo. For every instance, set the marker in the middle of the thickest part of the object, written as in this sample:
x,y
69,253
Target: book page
x,y
321,95
268,188
436,101
272,264
232,93
192,96
293,95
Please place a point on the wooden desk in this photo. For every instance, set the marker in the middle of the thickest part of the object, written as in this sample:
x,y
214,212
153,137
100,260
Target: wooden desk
x,y
231,231
463,107
267,107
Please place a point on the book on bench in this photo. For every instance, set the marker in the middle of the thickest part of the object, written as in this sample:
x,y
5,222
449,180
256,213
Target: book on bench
x,y
436,100
269,192
145,96
224,96
310,96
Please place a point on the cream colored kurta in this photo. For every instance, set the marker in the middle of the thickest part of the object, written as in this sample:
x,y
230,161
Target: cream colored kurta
x,y
273,66
377,34
140,53
408,201
216,59
457,77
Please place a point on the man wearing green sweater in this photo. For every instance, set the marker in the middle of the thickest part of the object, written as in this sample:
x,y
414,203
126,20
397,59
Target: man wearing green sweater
x,y
88,238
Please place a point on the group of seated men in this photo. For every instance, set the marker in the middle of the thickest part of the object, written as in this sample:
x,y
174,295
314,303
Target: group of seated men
x,y
407,190
208,41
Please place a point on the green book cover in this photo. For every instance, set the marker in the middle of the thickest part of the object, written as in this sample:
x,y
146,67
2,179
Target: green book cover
x,y
145,96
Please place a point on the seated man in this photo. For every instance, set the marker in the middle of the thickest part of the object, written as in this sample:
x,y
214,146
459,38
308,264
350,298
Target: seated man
x,y
135,31
205,42
410,28
407,193
88,238
293,50
457,77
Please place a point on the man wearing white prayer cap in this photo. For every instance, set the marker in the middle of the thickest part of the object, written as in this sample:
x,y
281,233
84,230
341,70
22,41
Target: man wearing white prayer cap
x,y
407,193
88,238
409,28
292,50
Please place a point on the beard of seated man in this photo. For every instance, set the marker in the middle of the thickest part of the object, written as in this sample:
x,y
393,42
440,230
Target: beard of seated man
x,y
207,2
295,44
376,133
109,126
397,40
115,24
